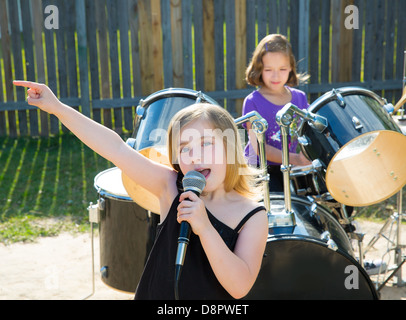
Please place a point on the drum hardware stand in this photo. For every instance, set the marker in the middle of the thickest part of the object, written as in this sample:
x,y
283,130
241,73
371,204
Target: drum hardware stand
x,y
94,217
396,217
284,118
400,259
259,125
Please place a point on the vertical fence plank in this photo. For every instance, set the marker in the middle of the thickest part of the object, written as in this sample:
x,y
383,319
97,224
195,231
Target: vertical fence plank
x,y
7,52
185,41
167,43
357,43
18,62
147,68
157,57
314,58
51,67
91,27
29,59
104,58
199,35
177,43
82,56
219,46
389,56
303,31
208,46
240,48
125,60
38,22
70,26
62,46
114,63
401,45
273,16
230,54
135,48
325,42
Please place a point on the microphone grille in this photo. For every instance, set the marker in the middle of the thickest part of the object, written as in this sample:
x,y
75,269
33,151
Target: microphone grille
x,y
194,181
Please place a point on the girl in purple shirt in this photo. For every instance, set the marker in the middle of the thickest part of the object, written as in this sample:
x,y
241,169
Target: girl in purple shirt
x,y
273,70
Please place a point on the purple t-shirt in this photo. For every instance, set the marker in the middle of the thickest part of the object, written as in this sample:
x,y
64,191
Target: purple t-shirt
x,y
257,102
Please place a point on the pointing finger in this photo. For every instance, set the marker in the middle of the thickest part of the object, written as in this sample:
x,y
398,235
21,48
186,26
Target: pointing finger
x,y
27,84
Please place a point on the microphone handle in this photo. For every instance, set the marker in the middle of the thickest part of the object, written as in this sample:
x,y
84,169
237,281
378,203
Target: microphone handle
x,y
183,241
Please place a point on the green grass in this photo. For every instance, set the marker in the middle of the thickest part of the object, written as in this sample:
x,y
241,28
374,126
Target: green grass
x,y
46,185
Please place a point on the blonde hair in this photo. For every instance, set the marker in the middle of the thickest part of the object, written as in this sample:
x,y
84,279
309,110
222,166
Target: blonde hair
x,y
239,176
272,43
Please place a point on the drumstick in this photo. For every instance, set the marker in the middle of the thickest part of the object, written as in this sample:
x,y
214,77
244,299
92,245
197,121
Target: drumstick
x,y
401,102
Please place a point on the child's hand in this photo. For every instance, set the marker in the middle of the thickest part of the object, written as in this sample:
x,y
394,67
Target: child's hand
x,y
193,210
39,95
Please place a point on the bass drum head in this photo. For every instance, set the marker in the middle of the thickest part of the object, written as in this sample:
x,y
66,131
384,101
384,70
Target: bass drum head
x,y
302,268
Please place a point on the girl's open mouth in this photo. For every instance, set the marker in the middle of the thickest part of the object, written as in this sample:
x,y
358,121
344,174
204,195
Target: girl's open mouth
x,y
205,172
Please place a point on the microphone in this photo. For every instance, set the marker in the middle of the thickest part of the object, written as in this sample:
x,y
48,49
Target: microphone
x,y
192,181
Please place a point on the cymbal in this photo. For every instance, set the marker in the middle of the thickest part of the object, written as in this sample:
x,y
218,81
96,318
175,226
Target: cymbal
x,y
138,194
368,169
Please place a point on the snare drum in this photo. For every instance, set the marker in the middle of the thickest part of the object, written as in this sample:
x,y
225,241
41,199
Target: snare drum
x,y
358,128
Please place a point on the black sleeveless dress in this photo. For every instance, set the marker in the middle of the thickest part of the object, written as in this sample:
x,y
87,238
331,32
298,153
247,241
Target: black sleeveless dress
x,y
197,281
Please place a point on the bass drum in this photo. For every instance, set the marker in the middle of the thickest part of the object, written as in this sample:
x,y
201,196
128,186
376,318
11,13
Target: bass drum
x,y
126,233
358,146
312,261
150,133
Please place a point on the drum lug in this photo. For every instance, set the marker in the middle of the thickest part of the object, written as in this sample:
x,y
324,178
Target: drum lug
x,y
340,99
140,109
199,97
326,236
304,141
357,124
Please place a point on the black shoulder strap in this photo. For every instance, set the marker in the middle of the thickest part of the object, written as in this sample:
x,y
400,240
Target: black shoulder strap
x,y
249,215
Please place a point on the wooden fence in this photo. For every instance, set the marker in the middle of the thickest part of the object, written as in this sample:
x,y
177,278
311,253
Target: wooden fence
x,y
103,56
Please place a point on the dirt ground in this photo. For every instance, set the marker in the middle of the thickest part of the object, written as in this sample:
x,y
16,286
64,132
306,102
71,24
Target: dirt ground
x,y
60,268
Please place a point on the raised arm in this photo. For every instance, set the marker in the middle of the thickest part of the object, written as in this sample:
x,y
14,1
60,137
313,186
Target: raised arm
x,y
150,175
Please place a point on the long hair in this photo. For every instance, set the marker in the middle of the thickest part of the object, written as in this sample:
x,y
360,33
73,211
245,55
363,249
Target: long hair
x,y
272,43
239,176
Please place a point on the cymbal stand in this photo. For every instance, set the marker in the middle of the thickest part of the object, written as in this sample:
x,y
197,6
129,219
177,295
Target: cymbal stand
x,y
284,118
395,241
259,125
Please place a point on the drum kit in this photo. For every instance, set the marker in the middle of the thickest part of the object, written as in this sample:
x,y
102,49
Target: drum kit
x,y
356,147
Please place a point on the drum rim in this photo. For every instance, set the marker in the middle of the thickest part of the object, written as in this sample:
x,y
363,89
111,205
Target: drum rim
x,y
316,105
345,91
105,193
175,92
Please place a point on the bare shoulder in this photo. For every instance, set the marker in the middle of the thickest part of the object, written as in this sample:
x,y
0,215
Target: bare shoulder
x,y
244,206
